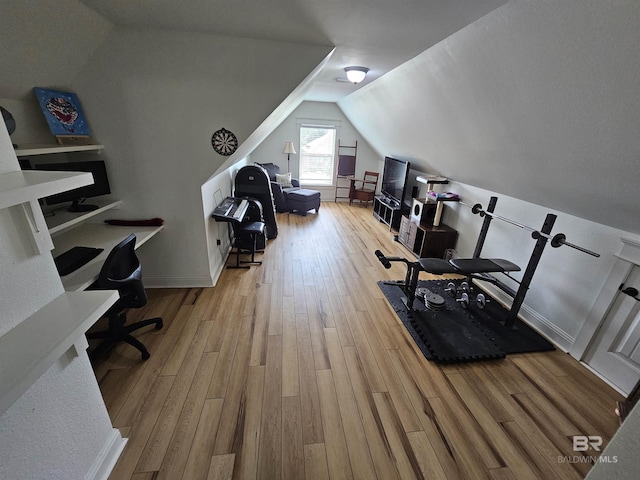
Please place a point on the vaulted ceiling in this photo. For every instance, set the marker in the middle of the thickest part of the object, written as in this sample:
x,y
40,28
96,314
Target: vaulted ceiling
x,y
378,34
536,100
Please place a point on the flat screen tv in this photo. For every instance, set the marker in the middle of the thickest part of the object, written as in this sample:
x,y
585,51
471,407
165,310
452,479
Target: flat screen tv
x,y
77,196
394,178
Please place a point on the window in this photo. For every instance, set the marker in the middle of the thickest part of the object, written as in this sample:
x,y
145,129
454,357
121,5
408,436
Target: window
x,y
317,154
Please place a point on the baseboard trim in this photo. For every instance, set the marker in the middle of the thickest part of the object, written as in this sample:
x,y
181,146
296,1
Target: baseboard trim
x,y
108,457
539,323
215,275
177,281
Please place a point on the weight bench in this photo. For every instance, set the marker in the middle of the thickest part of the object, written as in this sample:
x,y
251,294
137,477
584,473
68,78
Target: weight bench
x,y
478,268
467,266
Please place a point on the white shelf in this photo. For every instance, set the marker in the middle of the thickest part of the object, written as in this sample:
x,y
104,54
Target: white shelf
x,y
28,150
23,186
63,220
432,179
29,349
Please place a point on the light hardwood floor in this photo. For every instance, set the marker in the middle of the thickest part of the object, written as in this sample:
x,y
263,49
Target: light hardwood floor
x,y
299,369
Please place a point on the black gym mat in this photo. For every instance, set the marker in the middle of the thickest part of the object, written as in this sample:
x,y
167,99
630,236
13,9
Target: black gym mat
x,y
455,334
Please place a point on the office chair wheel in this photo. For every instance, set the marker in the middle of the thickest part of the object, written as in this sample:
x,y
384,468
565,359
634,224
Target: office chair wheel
x,y
159,324
146,355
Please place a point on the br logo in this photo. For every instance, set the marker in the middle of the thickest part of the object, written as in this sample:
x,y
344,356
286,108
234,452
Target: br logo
x,y
582,443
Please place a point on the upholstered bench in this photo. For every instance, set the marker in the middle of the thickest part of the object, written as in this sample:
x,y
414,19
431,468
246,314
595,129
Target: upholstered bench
x,y
303,200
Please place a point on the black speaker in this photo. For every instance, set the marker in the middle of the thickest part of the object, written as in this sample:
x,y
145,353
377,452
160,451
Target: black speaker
x,y
422,212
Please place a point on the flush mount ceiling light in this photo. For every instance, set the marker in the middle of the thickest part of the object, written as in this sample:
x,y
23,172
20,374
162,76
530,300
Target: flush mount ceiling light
x,y
356,74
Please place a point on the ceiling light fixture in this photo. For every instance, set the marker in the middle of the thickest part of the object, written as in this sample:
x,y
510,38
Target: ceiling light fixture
x,y
356,74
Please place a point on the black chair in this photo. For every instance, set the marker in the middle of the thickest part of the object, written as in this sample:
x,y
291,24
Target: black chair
x,y
247,233
122,271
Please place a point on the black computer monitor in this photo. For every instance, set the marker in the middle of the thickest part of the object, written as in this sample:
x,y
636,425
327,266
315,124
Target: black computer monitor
x,y
77,196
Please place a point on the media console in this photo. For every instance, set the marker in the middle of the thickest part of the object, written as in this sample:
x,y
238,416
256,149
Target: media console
x,y
387,211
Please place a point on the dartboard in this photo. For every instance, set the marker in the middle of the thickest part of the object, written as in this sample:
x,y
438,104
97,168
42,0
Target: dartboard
x,y
224,142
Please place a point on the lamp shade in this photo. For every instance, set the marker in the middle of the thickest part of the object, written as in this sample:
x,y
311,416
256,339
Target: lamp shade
x,y
289,148
356,74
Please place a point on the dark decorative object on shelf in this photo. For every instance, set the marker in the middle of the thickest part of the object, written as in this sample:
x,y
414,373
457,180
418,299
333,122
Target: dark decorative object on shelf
x,y
9,121
224,142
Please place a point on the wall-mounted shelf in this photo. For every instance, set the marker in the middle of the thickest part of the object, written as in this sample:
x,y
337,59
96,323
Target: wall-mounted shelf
x,y
43,149
63,220
23,186
30,348
432,180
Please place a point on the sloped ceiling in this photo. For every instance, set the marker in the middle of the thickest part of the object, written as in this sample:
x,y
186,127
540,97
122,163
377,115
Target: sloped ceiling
x,y
28,56
378,34
538,100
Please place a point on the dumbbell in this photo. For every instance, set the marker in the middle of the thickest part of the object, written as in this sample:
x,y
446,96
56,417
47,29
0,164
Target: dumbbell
x,y
481,301
453,291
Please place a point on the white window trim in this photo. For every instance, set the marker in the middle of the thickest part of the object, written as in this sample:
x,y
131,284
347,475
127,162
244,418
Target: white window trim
x,y
326,123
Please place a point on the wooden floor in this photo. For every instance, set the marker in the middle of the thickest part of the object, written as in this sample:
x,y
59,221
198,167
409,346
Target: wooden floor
x,y
299,369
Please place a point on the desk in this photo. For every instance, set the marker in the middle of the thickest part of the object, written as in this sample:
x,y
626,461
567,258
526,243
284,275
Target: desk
x,y
98,235
72,229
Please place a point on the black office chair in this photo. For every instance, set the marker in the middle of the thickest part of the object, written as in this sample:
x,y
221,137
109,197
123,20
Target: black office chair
x,y
122,271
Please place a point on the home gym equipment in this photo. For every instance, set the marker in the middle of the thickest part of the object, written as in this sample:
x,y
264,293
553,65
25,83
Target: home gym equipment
x,y
558,240
445,332
464,298
483,268
541,236
473,268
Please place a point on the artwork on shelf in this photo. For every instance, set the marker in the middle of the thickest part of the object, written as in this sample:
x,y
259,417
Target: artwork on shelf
x,y
64,115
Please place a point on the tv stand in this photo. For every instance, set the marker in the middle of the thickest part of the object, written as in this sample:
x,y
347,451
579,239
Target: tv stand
x,y
387,211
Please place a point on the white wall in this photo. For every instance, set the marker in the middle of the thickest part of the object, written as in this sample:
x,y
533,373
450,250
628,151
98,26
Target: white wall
x,y
270,150
154,98
59,429
214,191
538,100
620,458
45,43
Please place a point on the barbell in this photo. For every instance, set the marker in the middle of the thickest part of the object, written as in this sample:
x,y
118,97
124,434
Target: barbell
x,y
557,240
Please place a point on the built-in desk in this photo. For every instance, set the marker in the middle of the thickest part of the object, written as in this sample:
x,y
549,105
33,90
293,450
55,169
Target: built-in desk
x,y
73,229
100,236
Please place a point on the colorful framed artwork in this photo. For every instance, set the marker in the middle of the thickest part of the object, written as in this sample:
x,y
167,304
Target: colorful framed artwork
x,y
63,113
